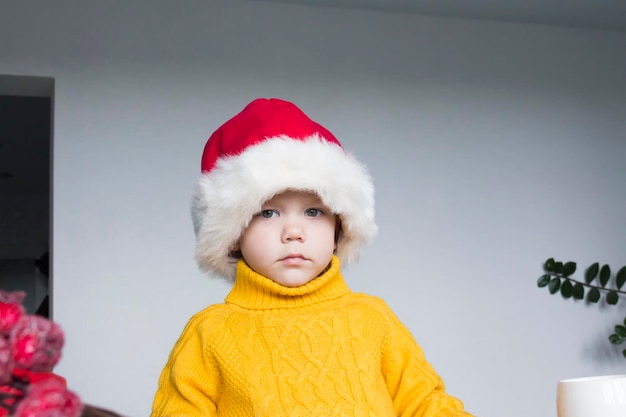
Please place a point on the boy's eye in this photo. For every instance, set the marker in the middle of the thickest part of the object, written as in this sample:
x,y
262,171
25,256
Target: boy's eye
x,y
313,212
268,214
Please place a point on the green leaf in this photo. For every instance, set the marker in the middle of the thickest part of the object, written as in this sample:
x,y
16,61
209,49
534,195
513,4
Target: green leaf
x,y
612,298
558,267
579,292
592,272
624,352
620,278
616,339
554,285
543,280
605,273
593,296
567,289
569,268
620,330
549,265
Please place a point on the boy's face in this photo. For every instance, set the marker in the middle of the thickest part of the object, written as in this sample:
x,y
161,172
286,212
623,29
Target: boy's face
x,y
291,240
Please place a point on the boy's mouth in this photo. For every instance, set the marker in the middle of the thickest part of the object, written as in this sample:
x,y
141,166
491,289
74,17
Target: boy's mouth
x,y
294,259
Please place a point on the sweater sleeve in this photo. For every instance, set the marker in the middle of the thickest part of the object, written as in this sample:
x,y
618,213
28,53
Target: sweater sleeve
x,y
416,389
189,382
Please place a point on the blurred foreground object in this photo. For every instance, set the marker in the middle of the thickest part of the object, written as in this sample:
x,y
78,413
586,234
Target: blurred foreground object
x,y
30,347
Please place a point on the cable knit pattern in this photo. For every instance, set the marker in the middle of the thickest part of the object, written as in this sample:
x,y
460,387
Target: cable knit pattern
x,y
314,350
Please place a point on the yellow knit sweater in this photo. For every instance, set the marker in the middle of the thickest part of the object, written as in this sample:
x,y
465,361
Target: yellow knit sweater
x,y
316,350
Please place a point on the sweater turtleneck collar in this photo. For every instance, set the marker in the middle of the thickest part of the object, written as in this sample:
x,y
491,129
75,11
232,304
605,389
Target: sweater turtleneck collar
x,y
257,292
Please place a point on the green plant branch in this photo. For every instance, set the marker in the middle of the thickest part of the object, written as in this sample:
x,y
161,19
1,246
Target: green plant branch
x,y
557,278
598,287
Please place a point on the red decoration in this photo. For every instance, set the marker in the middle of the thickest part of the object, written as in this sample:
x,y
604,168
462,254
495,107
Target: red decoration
x,y
9,315
37,343
30,347
48,398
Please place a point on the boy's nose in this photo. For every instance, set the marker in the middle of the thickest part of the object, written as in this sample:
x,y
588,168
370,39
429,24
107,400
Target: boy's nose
x,y
292,231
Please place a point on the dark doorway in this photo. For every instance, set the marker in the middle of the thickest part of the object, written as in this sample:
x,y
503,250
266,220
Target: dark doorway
x,y
26,109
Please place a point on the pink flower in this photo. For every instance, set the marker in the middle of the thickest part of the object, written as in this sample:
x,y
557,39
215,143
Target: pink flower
x,y
6,361
49,398
36,343
10,313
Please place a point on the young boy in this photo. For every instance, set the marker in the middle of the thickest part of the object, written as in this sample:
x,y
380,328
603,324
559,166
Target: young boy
x,y
278,207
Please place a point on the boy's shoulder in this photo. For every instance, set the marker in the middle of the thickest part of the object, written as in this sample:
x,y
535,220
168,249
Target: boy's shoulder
x,y
371,302
207,318
382,309
211,312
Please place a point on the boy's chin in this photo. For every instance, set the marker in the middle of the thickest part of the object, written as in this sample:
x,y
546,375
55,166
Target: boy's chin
x,y
293,279
293,282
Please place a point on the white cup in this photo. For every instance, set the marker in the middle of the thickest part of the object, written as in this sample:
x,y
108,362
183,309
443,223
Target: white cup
x,y
595,396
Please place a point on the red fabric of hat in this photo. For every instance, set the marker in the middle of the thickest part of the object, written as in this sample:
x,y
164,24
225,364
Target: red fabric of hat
x,y
258,121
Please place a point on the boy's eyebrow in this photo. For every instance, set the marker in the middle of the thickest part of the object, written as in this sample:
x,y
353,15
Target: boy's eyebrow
x,y
313,202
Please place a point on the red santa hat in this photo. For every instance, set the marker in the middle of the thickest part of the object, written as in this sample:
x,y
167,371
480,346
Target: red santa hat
x,y
269,147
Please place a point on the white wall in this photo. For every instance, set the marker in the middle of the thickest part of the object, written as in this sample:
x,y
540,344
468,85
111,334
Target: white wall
x,y
493,146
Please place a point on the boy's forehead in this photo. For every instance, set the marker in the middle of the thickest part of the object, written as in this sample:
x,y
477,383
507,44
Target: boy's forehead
x,y
299,195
